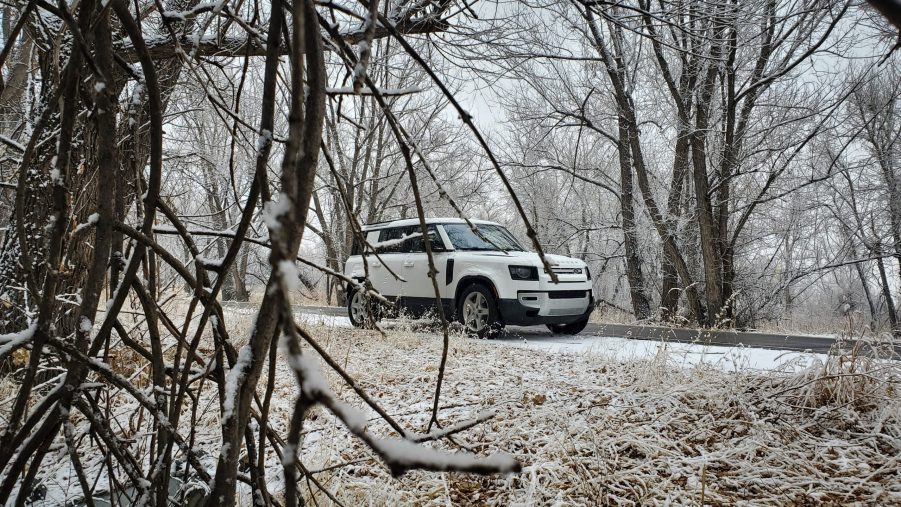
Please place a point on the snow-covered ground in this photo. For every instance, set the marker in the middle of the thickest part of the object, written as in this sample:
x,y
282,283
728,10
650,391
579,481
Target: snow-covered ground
x,y
593,420
598,421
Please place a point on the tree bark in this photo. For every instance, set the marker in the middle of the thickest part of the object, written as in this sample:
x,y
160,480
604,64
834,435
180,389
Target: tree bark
x,y
641,307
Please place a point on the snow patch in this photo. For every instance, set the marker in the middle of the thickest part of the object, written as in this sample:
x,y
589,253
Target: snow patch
x,y
353,418
264,140
93,219
235,376
385,92
86,326
209,262
314,384
289,274
394,242
12,340
684,355
272,210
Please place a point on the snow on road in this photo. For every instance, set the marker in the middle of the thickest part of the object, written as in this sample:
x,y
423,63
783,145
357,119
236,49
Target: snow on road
x,y
318,319
624,349
678,354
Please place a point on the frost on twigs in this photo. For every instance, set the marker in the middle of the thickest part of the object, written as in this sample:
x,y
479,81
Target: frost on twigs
x,y
402,455
856,379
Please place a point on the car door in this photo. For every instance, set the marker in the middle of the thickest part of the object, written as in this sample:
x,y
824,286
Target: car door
x,y
415,265
374,268
392,248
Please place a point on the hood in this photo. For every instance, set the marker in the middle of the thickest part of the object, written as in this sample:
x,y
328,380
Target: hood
x,y
532,258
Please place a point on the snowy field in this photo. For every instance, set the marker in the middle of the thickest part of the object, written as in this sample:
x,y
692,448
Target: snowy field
x,y
592,420
599,420
611,423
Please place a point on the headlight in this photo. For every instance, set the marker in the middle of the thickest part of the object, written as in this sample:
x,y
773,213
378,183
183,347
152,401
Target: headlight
x,y
523,272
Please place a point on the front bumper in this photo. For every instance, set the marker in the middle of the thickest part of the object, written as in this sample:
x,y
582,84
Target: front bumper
x,y
532,308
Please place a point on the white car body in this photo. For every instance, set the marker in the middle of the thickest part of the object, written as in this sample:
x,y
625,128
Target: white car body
x,y
519,301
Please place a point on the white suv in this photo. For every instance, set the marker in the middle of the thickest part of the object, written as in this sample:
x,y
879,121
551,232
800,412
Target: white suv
x,y
486,279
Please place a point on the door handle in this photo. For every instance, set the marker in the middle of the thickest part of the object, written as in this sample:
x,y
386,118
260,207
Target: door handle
x,y
408,264
375,264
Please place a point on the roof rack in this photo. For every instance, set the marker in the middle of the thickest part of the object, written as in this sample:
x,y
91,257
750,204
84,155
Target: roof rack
x,y
429,220
381,223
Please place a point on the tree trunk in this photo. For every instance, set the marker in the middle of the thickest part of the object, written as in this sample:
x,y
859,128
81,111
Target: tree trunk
x,y
641,307
887,293
709,232
669,294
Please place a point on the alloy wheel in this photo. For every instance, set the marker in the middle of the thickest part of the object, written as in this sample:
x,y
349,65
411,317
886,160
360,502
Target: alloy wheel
x,y
357,307
475,312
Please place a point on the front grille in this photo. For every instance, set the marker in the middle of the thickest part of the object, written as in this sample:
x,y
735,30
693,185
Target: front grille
x,y
567,271
566,294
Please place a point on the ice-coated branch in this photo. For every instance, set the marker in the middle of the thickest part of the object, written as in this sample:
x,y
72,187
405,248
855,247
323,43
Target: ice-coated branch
x,y
399,454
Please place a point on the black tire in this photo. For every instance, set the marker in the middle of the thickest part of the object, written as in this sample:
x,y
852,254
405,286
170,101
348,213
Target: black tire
x,y
365,316
571,328
485,322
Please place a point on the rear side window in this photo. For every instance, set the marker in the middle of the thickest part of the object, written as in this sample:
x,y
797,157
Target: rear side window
x,y
392,240
417,245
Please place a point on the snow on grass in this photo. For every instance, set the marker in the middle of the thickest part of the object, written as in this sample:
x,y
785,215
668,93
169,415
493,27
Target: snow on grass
x,y
303,317
596,429
593,420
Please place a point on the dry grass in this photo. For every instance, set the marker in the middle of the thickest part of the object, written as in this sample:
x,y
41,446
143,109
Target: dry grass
x,y
590,431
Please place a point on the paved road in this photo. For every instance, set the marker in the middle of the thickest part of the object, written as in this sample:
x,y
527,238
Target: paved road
x,y
726,338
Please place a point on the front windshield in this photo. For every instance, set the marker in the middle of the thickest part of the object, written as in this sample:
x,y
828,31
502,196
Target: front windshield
x,y
498,238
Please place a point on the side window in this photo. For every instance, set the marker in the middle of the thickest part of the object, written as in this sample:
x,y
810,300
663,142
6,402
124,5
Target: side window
x,y
391,240
418,246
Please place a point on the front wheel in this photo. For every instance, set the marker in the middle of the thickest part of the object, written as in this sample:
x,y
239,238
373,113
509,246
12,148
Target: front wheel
x,y
478,312
571,328
363,311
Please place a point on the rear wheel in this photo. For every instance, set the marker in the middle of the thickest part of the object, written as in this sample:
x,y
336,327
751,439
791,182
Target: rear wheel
x,y
477,309
571,328
363,311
